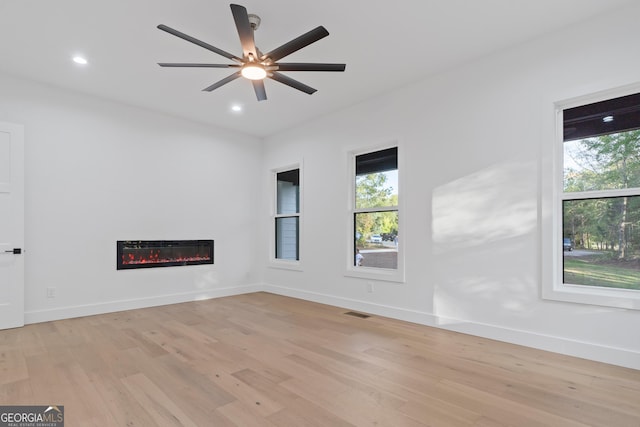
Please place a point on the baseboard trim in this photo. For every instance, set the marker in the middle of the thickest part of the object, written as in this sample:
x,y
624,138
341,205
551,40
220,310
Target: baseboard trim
x,y
615,356
39,316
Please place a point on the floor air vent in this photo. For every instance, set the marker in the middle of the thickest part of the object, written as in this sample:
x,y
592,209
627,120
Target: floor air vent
x,y
354,314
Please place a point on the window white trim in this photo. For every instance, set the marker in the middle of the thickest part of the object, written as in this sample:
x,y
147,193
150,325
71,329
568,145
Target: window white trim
x,y
553,287
380,274
274,262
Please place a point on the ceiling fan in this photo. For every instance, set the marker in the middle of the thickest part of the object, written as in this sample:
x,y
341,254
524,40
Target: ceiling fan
x,y
254,65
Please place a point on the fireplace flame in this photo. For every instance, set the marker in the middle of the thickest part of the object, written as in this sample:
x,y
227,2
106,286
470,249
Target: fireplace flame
x,y
154,257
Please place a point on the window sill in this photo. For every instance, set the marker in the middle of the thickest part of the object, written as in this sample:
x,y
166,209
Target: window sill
x,y
286,265
381,274
617,298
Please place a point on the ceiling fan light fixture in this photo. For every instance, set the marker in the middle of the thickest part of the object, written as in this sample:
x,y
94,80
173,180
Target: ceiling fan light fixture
x,y
253,71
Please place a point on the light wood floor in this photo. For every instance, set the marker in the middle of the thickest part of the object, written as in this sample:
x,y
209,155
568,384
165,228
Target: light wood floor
x,y
266,360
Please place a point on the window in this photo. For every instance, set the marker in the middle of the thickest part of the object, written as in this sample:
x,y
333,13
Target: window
x,y
375,216
598,215
287,215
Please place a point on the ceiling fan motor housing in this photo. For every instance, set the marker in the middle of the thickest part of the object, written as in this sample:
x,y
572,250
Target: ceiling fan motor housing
x,y
254,21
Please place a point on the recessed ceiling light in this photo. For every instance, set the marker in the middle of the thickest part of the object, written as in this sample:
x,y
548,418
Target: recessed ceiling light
x,y
79,60
236,107
607,119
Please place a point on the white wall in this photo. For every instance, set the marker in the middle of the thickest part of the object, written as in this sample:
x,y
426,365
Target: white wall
x,y
97,172
476,143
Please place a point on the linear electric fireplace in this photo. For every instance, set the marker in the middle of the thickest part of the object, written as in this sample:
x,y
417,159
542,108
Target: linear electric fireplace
x,y
163,253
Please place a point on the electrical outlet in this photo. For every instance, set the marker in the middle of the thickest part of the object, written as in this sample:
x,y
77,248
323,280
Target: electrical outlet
x,y
370,287
51,292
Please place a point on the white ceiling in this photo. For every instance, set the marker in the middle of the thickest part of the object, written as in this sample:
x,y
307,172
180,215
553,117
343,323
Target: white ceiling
x,y
385,44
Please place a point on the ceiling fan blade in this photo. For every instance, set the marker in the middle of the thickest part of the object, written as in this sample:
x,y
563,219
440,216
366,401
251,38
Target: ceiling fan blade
x,y
258,87
182,64
303,66
245,31
198,42
291,82
222,82
296,44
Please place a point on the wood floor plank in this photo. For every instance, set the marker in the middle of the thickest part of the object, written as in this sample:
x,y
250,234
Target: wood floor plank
x,y
187,386
17,393
299,366
243,415
261,402
501,408
267,360
301,412
125,410
438,412
296,407
350,405
12,366
87,403
150,396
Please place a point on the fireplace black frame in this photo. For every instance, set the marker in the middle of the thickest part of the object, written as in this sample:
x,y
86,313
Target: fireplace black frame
x,y
203,255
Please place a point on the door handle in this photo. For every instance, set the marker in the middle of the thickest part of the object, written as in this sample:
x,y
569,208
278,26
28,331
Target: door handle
x,y
15,251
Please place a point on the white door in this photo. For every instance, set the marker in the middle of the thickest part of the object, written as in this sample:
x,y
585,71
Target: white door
x,y
11,225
